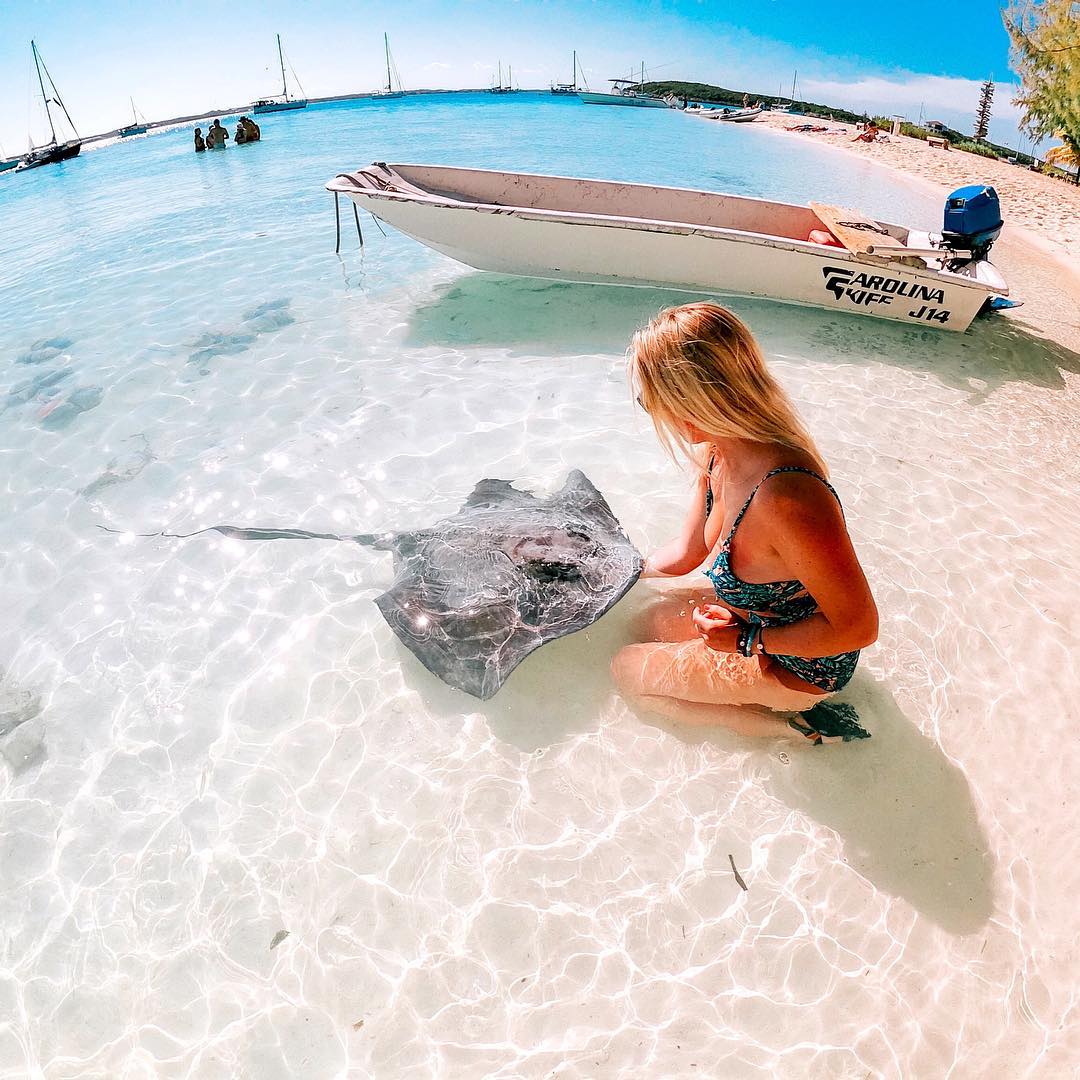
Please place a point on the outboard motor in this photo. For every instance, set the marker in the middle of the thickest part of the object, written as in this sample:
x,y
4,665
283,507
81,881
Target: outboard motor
x,y
972,220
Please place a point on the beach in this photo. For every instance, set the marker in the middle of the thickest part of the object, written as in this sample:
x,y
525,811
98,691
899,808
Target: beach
x,y
245,833
1039,249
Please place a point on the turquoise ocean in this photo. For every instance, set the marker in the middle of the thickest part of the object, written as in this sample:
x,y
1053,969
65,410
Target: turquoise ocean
x,y
244,834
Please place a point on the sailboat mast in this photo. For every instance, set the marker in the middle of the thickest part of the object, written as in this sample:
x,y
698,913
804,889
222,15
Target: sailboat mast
x,y
794,80
386,42
574,79
134,118
281,61
500,74
37,64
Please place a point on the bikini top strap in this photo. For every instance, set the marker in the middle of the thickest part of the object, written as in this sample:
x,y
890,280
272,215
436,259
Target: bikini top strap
x,y
708,486
775,472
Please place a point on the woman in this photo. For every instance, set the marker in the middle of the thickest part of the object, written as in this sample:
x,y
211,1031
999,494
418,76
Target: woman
x,y
794,606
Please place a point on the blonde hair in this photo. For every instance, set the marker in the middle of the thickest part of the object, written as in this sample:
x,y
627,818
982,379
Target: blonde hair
x,y
699,364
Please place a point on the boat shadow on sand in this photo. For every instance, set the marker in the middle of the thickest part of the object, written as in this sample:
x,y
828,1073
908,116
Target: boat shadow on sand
x,y
526,315
903,811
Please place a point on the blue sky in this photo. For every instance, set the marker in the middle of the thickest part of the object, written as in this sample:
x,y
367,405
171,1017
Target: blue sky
x,y
176,58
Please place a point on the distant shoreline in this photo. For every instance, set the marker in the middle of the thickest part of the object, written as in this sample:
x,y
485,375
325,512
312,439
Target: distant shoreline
x,y
248,107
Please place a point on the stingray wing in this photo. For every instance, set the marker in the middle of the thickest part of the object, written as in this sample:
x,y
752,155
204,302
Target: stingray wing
x,y
480,591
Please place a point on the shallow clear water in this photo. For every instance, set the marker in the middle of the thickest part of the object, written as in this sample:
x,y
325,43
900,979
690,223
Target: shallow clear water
x,y
220,742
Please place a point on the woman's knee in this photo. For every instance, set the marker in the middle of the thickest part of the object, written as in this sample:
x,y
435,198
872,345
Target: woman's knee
x,y
628,668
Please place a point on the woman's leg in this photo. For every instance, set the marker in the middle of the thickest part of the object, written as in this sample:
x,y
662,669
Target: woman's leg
x,y
690,682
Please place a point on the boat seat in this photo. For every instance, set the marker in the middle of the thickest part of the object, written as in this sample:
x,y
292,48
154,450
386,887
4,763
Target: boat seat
x,y
854,229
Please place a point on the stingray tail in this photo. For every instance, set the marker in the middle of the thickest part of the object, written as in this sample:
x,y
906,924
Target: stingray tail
x,y
235,532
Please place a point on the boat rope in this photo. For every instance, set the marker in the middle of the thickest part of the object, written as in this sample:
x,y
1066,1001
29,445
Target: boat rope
x,y
337,224
296,79
864,226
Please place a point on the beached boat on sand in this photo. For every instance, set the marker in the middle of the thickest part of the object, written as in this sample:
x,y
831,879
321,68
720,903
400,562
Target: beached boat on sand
x,y
741,116
640,234
735,116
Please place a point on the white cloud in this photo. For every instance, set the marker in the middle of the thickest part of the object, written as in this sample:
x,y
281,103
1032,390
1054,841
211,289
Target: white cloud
x,y
907,94
937,97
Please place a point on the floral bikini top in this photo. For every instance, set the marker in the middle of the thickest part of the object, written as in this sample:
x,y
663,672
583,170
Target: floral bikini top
x,y
776,603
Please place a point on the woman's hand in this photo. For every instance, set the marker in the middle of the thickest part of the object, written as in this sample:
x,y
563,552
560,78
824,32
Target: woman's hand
x,y
718,627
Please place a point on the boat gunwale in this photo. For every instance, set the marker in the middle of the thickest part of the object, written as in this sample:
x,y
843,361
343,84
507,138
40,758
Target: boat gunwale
x,y
659,225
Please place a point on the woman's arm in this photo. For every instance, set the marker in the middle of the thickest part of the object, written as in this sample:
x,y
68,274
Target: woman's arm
x,y
688,550
812,540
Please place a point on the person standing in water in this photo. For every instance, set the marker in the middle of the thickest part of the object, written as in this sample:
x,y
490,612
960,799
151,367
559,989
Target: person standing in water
x,y
790,607
200,143
216,136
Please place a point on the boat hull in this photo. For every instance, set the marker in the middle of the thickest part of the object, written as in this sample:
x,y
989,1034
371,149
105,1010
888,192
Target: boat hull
x,y
5,165
278,106
50,155
743,116
611,233
134,129
622,99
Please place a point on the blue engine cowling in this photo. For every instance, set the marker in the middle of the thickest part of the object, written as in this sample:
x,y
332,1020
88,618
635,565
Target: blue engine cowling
x,y
972,219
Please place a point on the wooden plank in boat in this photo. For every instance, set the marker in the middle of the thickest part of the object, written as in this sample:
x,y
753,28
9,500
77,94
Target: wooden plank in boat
x,y
853,229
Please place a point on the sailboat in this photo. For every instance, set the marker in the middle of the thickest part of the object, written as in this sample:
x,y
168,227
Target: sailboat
x,y
134,128
284,103
54,150
388,90
570,87
790,106
7,163
500,89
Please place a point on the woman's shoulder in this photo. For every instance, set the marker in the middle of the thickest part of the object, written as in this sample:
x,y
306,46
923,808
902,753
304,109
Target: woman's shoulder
x,y
798,489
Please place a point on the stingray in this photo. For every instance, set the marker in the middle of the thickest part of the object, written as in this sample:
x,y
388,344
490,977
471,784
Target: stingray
x,y
476,593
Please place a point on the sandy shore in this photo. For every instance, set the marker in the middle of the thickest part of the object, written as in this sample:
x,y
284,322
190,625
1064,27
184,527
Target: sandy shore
x,y
1039,251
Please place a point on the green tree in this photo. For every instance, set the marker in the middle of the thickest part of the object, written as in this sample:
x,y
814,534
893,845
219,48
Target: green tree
x,y
982,113
1045,38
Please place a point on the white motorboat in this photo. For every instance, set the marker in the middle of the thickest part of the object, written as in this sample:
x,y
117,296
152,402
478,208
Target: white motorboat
x,y
626,92
623,95
740,116
736,116
646,235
